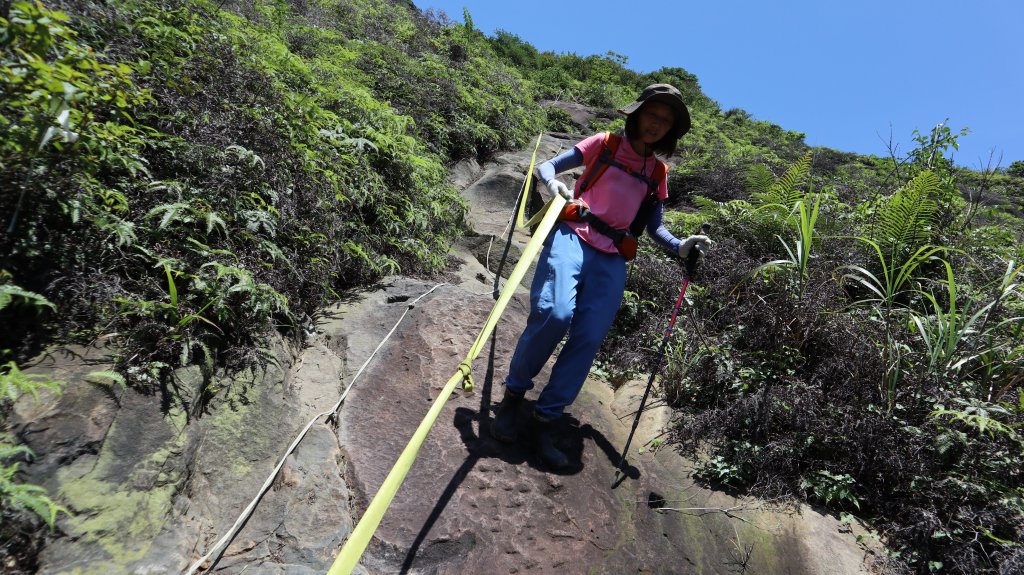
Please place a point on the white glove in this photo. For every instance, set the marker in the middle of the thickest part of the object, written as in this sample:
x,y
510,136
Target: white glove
x,y
701,243
558,188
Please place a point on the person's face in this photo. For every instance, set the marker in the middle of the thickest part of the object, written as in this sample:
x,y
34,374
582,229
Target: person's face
x,y
654,121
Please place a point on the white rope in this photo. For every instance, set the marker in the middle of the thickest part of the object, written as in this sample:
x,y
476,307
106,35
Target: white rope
x,y
230,535
505,234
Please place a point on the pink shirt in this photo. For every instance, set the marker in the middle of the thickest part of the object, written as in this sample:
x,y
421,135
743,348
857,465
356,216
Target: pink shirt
x,y
616,196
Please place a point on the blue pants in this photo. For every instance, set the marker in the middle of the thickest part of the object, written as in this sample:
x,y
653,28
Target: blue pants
x,y
576,289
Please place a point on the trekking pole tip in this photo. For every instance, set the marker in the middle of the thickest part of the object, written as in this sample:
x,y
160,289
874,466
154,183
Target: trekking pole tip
x,y
619,476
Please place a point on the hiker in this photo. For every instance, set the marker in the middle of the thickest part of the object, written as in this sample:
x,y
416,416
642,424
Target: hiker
x,y
581,273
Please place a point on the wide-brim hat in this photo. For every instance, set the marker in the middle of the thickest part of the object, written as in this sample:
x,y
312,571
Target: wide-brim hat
x,y
668,94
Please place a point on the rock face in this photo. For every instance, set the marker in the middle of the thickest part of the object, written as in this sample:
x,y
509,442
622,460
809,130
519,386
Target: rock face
x,y
473,505
152,487
149,489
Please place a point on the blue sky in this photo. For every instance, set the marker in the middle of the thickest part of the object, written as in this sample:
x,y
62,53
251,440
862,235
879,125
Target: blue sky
x,y
850,75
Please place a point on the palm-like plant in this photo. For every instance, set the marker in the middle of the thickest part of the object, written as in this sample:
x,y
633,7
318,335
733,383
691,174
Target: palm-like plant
x,y
947,330
784,201
975,342
898,241
800,252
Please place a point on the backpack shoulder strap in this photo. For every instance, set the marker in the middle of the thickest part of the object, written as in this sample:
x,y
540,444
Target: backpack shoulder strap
x,y
611,144
594,170
660,173
650,202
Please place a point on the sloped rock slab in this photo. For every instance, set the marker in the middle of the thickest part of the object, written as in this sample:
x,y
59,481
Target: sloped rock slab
x,y
582,116
471,504
491,190
150,490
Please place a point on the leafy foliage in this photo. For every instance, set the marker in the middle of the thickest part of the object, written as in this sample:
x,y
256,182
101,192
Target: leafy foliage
x,y
16,496
209,175
905,220
831,489
893,357
769,192
189,175
1016,169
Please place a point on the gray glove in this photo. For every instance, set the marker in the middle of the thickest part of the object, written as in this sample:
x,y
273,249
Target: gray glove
x,y
558,188
701,243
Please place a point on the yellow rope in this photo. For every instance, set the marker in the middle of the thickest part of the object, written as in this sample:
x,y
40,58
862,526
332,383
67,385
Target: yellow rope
x,y
360,537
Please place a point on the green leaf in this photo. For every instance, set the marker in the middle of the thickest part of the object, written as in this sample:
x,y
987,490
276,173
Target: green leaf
x,y
9,292
171,287
105,378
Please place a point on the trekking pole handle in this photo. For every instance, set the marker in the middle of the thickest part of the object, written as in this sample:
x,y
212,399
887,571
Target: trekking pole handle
x,y
694,256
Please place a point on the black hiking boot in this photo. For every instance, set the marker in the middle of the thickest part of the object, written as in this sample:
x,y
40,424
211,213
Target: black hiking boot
x,y
544,442
505,427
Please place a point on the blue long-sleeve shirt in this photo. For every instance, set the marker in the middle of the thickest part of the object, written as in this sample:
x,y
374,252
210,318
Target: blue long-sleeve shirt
x,y
655,226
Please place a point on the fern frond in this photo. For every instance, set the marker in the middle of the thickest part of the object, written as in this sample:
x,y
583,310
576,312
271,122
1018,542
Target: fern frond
x,y
707,204
256,220
909,217
274,252
10,449
9,291
106,377
122,230
760,180
213,220
246,155
731,209
14,383
171,213
173,186
790,184
34,499
784,192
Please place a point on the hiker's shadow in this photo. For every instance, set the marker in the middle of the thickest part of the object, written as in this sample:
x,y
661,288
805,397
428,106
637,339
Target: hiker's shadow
x,y
570,439
474,430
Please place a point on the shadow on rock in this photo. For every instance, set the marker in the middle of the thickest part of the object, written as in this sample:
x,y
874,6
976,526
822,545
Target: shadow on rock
x,y
474,431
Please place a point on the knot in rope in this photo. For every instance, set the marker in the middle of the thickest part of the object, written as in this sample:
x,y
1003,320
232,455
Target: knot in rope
x,y
467,376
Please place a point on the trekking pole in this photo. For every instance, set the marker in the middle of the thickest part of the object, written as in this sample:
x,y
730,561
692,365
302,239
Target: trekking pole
x,y
689,270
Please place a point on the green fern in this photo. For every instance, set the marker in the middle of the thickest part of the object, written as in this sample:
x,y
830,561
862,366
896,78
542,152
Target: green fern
x,y
9,291
121,230
713,210
275,253
260,297
906,221
14,383
981,416
207,251
246,156
784,192
213,220
106,377
177,211
760,180
259,220
20,495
